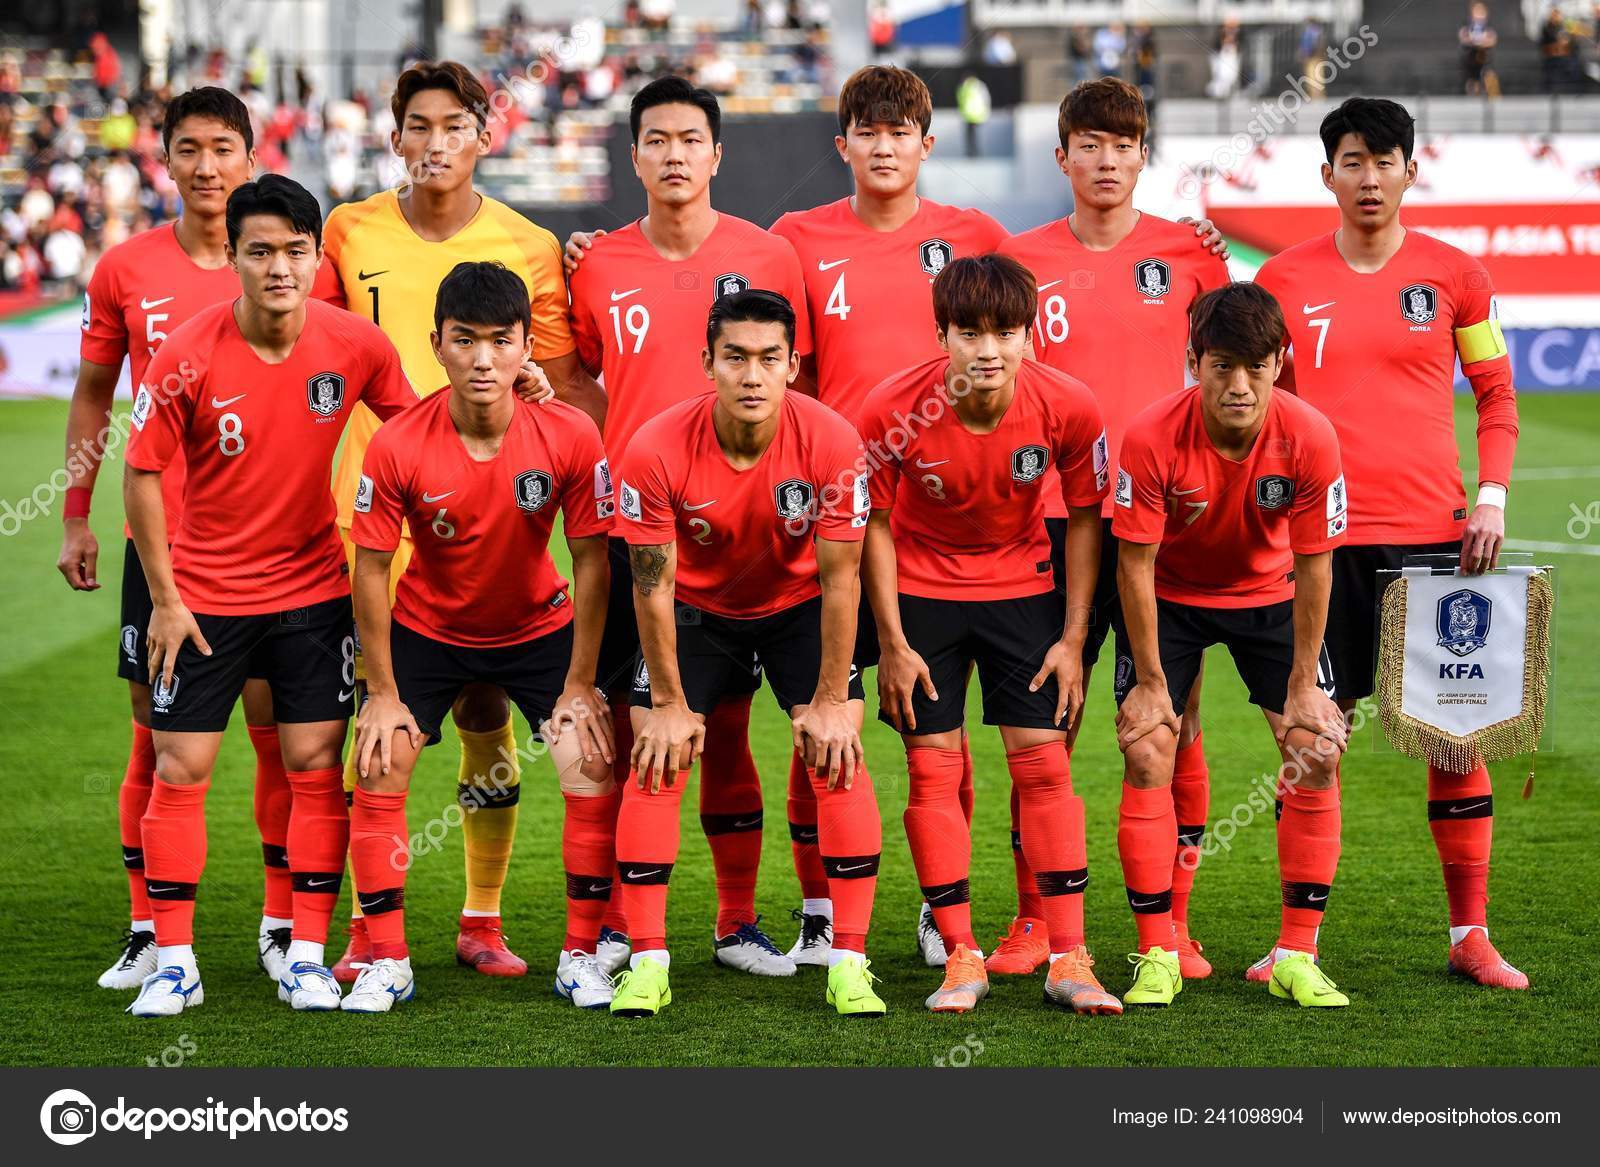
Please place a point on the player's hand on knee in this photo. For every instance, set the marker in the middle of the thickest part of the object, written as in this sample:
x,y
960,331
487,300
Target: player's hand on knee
x,y
1308,708
382,716
829,729
1064,662
582,710
170,626
670,740
900,670
532,385
79,553
577,243
1146,708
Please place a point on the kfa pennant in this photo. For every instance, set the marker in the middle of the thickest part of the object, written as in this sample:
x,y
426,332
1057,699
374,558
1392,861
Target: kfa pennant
x,y
1465,664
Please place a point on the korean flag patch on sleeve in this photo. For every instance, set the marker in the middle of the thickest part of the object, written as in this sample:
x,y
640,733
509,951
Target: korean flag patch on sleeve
x,y
605,503
364,495
1124,488
1338,519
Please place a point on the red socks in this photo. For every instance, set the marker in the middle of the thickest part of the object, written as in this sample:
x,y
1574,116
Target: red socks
x,y
1191,799
1308,856
966,778
941,840
850,834
622,730
1147,838
1051,820
803,832
1461,817
319,836
731,812
379,860
174,834
589,855
272,799
1029,905
132,798
647,847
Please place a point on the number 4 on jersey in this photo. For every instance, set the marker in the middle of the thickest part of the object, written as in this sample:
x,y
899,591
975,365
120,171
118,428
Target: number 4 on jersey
x,y
836,305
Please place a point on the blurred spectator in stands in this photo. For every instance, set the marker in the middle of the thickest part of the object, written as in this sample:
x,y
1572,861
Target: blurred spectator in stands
x,y
1225,62
793,18
1144,62
1080,53
754,21
36,205
1555,52
998,49
107,66
117,127
881,30
1478,40
64,255
717,71
974,104
656,15
1310,53
630,14
119,187
1109,45
1590,63
819,15
600,82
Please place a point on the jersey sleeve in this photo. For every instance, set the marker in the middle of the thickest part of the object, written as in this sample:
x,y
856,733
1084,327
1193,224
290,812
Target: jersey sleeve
x,y
1082,458
1486,364
1212,272
882,462
841,475
1141,511
1319,514
380,505
645,510
991,236
387,391
794,290
552,331
328,286
588,502
161,418
105,329
585,330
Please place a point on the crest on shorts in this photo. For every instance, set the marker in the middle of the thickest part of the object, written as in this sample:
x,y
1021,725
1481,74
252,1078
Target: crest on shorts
x,y
1274,491
728,284
325,394
130,643
641,676
533,489
793,497
163,695
935,254
1419,303
1028,463
1152,277
1463,621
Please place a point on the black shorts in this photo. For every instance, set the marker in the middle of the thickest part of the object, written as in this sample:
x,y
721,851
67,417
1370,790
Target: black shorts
x,y
1105,615
431,674
1005,639
1353,610
866,655
1261,641
720,657
133,662
306,655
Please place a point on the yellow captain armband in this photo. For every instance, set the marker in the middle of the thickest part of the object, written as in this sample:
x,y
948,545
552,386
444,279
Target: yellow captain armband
x,y
1480,342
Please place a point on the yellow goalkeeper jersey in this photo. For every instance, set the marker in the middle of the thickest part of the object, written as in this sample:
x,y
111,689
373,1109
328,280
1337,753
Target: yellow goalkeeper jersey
x,y
375,265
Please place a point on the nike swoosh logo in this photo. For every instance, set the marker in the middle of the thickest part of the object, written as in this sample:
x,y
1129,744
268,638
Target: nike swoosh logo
x,y
371,275
699,506
216,404
825,266
1144,903
1191,490
321,882
1308,309
742,824
615,296
570,987
1315,899
368,904
637,875
346,694
857,867
426,497
1047,287
944,895
156,891
1072,883
1465,809
921,465
598,887
128,857
149,304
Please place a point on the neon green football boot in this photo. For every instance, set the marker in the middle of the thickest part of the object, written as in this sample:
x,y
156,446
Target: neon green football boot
x,y
1297,978
1156,979
850,989
642,991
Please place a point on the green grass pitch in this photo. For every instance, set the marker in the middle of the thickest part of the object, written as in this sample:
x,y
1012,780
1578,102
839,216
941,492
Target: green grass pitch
x,y
63,893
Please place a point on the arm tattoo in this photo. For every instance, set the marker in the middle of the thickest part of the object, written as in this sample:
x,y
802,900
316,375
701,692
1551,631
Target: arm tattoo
x,y
648,563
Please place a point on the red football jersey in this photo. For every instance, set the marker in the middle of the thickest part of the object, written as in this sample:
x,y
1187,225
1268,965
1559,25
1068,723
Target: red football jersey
x,y
141,290
1376,354
968,519
1117,320
641,319
257,533
745,537
1229,531
869,292
481,575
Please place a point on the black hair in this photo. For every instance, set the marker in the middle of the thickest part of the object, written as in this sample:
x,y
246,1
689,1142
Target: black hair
x,y
483,292
208,101
273,194
1240,318
675,91
1383,125
753,305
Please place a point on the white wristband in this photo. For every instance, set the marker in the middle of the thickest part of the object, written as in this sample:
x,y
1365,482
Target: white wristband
x,y
1491,494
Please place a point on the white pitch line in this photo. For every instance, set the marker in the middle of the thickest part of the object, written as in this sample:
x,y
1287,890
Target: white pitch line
x,y
1542,473
1552,548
